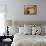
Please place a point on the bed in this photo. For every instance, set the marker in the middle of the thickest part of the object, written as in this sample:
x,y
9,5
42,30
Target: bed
x,y
24,38
29,40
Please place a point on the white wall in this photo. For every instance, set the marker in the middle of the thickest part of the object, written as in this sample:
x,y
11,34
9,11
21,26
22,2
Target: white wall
x,y
41,10
15,9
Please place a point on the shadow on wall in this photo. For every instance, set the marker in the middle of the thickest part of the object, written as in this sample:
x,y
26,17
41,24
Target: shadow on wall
x,y
21,23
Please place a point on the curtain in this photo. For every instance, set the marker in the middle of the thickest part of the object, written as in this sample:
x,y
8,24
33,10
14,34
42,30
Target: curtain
x,y
2,19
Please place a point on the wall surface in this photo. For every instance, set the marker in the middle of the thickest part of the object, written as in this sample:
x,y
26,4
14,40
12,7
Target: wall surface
x,y
41,10
15,10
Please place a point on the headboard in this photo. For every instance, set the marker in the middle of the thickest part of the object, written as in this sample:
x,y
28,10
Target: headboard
x,y
21,23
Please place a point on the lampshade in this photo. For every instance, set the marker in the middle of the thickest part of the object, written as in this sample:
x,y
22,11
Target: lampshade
x,y
9,22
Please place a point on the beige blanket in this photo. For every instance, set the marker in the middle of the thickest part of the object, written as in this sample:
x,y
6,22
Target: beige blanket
x,y
31,44
29,40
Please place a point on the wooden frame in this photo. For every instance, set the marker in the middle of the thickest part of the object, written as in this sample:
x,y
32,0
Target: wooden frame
x,y
30,9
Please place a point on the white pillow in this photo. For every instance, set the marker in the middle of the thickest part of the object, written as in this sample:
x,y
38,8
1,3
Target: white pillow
x,y
24,30
36,30
28,31
28,26
21,30
44,27
42,30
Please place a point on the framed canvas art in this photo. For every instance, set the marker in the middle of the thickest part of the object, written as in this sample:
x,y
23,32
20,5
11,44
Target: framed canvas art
x,y
30,9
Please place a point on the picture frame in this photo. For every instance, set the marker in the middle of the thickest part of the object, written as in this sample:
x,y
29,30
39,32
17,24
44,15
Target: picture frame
x,y
30,9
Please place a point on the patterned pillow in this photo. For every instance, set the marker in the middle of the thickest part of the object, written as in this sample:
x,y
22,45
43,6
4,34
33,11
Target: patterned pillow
x,y
36,30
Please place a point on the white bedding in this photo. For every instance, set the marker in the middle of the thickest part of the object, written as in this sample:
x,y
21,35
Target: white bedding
x,y
29,40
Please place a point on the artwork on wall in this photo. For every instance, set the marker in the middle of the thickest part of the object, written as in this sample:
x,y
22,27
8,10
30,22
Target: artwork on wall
x,y
30,9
